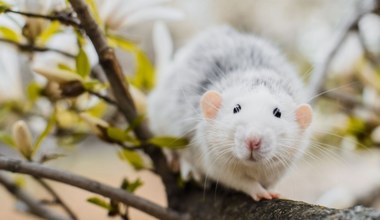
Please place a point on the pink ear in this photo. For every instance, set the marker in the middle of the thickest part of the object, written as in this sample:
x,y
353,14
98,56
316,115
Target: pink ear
x,y
304,115
210,104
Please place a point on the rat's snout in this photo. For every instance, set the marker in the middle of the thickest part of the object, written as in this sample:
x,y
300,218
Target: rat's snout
x,y
253,143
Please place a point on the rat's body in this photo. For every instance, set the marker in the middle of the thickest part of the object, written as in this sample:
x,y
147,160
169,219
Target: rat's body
x,y
238,101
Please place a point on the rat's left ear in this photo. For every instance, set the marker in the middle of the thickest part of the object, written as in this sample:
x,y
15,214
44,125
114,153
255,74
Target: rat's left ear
x,y
304,115
210,104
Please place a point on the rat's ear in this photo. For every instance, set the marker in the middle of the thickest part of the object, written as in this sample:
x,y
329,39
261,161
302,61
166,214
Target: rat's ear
x,y
304,115
210,104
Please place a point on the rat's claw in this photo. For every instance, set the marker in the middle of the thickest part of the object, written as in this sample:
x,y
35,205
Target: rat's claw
x,y
274,195
265,195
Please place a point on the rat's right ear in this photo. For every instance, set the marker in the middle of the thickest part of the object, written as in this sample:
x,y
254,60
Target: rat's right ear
x,y
304,115
210,104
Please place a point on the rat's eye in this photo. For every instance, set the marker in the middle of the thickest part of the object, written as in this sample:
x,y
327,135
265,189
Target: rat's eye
x,y
237,108
277,113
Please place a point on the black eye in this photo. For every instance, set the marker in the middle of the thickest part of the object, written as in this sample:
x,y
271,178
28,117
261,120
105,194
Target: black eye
x,y
237,108
277,113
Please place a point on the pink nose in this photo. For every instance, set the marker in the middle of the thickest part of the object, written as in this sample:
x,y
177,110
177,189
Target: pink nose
x,y
253,143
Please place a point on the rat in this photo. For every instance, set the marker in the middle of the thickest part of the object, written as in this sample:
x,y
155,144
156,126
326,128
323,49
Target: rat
x,y
242,106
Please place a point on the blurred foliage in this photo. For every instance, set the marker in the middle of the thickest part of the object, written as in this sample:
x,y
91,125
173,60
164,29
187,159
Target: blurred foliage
x,y
74,102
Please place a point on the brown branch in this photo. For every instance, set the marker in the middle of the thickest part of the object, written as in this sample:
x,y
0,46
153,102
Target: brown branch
x,y
226,204
63,17
103,97
375,62
319,74
352,100
28,47
34,205
115,76
57,198
116,194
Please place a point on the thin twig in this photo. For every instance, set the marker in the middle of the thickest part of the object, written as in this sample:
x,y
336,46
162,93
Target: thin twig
x,y
56,197
116,194
28,47
64,18
351,100
103,97
34,205
375,62
119,86
320,72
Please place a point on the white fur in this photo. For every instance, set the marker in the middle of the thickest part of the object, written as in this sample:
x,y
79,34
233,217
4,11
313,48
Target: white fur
x,y
245,70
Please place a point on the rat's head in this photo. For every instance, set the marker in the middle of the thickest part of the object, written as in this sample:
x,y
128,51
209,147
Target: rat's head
x,y
254,126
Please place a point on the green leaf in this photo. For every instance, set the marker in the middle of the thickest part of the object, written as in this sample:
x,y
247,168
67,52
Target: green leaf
x,y
70,140
94,11
49,126
97,110
133,158
169,142
9,34
3,7
131,186
20,181
33,91
63,66
99,202
83,64
118,134
48,157
144,77
51,30
92,85
135,123
7,139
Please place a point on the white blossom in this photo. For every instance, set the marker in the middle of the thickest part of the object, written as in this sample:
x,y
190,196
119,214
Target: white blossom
x,y
121,14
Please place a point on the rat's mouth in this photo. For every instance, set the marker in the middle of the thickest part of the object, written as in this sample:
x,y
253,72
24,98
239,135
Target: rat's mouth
x,y
251,157
257,156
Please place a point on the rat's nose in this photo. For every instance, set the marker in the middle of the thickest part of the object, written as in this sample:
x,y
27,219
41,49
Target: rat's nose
x,y
253,143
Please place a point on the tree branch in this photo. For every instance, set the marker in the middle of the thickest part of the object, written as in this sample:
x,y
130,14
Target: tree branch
x,y
35,206
367,53
121,92
352,100
57,198
116,194
320,72
64,18
103,97
28,47
225,205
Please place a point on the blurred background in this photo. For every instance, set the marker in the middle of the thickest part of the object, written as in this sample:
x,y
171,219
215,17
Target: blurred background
x,y
342,167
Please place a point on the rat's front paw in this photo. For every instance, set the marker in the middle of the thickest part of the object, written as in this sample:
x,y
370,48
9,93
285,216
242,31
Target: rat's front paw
x,y
265,195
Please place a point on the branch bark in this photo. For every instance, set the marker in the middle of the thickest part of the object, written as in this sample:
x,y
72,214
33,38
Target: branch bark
x,y
28,47
57,198
64,18
120,195
36,207
352,100
225,205
121,92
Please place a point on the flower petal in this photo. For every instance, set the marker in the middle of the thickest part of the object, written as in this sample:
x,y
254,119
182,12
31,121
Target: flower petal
x,y
55,74
163,46
141,4
151,14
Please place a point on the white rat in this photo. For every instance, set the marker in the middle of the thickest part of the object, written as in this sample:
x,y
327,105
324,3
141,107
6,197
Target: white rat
x,y
240,103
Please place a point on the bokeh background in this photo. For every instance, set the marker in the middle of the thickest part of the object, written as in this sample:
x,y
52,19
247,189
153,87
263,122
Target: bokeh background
x,y
341,169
